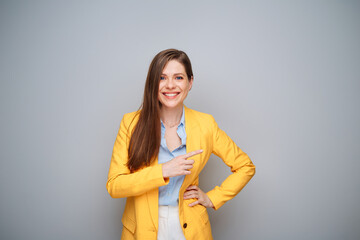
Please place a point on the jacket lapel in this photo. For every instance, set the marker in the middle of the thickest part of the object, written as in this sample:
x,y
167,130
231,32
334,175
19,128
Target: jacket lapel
x,y
193,136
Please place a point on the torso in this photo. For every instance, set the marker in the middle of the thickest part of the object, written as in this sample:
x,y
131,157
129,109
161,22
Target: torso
x,y
173,140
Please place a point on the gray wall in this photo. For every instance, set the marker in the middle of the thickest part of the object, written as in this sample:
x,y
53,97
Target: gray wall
x,y
282,78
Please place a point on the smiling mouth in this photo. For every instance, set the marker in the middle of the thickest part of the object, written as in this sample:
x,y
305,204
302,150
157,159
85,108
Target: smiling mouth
x,y
171,94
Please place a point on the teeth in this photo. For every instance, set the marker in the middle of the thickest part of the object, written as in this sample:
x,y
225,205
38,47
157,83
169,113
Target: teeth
x,y
170,94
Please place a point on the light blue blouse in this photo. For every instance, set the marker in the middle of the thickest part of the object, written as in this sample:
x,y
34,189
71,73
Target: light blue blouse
x,y
169,194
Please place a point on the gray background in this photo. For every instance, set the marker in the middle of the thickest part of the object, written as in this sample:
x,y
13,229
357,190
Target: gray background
x,y
282,78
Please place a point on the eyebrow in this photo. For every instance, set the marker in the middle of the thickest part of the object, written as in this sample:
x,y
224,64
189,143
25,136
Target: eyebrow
x,y
174,74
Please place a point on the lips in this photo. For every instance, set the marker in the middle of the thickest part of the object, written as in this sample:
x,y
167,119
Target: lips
x,y
170,94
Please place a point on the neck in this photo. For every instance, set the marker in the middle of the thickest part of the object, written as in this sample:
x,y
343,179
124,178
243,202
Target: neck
x,y
171,116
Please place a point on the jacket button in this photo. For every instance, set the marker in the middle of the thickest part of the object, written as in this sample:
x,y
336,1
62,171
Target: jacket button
x,y
185,225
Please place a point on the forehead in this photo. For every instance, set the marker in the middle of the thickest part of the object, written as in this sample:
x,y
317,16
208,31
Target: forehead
x,y
173,67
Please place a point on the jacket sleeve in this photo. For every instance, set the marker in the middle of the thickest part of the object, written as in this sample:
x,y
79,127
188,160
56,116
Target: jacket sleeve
x,y
240,164
122,183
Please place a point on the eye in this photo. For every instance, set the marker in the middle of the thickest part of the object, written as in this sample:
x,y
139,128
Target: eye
x,y
179,78
162,78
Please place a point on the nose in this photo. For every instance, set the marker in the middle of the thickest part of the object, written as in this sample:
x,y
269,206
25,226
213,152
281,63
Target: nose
x,y
170,83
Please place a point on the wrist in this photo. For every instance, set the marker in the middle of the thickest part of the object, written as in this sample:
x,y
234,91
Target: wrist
x,y
210,203
164,171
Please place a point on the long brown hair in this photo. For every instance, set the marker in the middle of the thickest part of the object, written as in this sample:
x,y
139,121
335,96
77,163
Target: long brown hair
x,y
145,139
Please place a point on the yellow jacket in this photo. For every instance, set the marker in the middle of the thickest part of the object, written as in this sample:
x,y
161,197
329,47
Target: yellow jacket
x,y
140,218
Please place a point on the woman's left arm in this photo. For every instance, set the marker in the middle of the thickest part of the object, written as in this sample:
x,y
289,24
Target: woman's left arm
x,y
240,164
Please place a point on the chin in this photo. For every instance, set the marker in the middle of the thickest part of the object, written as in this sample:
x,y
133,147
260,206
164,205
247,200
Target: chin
x,y
171,105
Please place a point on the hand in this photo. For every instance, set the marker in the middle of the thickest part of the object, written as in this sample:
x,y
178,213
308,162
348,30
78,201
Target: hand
x,y
194,191
179,165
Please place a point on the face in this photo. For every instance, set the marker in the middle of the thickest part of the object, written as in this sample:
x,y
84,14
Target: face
x,y
174,85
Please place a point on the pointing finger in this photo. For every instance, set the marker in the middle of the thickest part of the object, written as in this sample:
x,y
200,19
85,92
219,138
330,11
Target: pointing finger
x,y
193,153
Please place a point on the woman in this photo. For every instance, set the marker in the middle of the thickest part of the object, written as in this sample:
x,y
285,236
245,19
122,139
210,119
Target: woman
x,y
159,153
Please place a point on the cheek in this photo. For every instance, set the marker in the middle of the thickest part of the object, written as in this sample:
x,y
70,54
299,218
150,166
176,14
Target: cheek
x,y
159,94
161,85
187,87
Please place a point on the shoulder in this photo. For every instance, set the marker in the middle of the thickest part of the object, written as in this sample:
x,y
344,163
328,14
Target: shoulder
x,y
129,120
131,115
200,117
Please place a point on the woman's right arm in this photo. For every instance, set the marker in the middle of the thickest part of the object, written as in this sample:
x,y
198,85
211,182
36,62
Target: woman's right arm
x,y
122,183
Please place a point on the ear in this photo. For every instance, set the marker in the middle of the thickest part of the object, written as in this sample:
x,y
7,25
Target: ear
x,y
191,82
